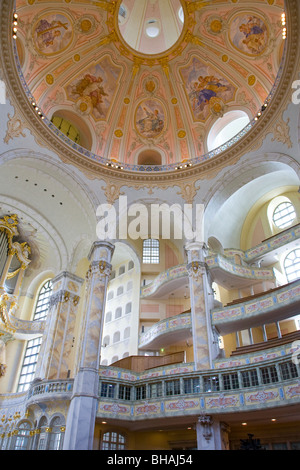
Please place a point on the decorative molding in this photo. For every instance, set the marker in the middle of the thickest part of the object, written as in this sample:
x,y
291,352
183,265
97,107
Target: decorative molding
x,y
15,128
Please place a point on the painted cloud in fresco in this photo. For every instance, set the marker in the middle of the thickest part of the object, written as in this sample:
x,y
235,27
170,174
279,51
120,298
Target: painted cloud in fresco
x,y
206,89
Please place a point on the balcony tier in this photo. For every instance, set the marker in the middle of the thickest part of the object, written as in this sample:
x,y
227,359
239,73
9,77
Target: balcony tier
x,y
275,305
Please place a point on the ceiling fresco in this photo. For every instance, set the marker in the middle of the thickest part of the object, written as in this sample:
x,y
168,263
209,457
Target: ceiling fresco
x,y
125,102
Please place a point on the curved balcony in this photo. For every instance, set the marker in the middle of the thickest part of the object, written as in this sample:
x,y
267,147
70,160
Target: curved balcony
x,y
168,331
271,384
287,239
275,305
226,272
166,281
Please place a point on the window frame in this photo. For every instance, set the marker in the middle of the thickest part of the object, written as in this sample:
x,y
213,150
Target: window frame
x,y
151,251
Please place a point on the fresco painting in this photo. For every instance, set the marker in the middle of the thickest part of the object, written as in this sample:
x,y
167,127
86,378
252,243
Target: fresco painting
x,y
52,34
150,118
206,89
93,90
249,34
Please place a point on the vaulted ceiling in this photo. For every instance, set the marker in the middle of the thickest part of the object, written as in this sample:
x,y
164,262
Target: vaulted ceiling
x,y
140,96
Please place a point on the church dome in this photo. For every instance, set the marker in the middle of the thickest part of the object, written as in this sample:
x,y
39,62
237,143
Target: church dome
x,y
143,76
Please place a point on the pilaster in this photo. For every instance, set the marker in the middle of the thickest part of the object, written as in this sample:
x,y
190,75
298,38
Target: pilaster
x,y
198,281
83,407
56,349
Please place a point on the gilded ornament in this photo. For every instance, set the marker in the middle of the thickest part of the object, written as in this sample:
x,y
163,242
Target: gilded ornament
x,y
49,79
118,133
251,80
216,26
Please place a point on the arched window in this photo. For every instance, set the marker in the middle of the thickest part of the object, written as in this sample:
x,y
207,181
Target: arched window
x,y
56,435
29,363
116,337
151,251
66,128
113,441
292,265
33,345
110,295
225,128
106,341
22,437
127,332
120,290
128,308
108,317
130,265
42,435
129,285
121,270
284,214
115,359
42,304
118,312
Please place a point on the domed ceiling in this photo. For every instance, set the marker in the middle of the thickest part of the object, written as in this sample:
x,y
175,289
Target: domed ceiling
x,y
142,82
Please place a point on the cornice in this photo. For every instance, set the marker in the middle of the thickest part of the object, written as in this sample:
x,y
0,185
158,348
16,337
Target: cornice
x,y
206,169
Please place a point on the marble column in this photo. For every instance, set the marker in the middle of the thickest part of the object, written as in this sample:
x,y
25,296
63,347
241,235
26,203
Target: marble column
x,y
55,358
205,341
81,417
212,434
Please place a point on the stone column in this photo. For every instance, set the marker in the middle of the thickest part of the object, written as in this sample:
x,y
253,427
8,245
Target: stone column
x,y
212,434
83,407
55,358
204,341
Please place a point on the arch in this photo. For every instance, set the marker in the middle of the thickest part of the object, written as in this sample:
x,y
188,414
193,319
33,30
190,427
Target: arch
x,y
42,303
281,213
120,290
116,337
121,270
108,317
292,265
149,157
226,127
118,312
127,332
106,341
128,308
239,189
23,436
80,131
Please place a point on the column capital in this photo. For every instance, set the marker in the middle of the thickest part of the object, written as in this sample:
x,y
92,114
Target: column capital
x,y
196,251
101,250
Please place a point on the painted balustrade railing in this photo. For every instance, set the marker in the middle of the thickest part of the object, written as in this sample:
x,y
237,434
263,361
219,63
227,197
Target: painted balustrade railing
x,y
272,383
219,261
287,297
169,275
51,387
168,325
